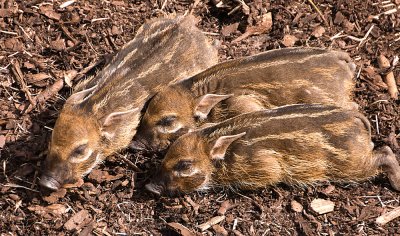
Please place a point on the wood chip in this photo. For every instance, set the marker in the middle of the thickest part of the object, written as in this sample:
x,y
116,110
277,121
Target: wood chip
x,y
46,94
213,221
388,216
229,29
384,63
2,141
55,209
262,26
77,184
76,220
329,189
48,11
193,204
67,3
322,206
55,196
225,206
289,40
296,206
69,76
180,229
219,230
101,176
318,31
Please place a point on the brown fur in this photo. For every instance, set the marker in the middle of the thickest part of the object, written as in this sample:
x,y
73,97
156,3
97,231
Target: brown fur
x,y
103,120
294,144
267,80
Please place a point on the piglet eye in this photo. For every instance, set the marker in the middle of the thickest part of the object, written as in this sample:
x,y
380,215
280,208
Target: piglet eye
x,y
80,150
166,121
183,165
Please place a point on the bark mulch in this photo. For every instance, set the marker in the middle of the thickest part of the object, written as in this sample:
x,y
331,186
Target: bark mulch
x,y
47,47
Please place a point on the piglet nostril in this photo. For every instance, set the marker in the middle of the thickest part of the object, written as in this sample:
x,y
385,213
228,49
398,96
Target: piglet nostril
x,y
49,182
153,188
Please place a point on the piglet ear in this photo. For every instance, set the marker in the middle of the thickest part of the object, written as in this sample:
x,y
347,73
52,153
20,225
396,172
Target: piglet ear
x,y
207,102
116,118
79,96
221,145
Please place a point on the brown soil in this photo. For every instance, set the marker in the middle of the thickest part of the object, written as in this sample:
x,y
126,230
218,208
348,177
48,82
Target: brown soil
x,y
42,45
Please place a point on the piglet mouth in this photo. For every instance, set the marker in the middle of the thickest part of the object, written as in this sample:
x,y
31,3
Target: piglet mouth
x,y
49,183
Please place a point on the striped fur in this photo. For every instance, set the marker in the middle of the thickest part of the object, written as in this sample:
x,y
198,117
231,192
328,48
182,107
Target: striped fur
x,y
270,79
164,50
295,145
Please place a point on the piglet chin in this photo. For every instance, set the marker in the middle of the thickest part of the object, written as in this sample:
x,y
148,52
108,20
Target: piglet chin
x,y
154,188
49,183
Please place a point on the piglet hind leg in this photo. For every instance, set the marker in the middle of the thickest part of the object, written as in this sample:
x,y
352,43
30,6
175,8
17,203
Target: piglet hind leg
x,y
386,159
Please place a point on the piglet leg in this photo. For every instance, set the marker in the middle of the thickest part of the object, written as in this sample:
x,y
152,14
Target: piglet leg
x,y
386,160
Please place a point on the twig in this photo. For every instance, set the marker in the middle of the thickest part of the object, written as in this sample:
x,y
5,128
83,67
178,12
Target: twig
x,y
19,186
43,96
8,32
193,204
22,29
388,216
361,40
195,3
213,221
163,5
19,76
319,12
99,19
129,163
68,34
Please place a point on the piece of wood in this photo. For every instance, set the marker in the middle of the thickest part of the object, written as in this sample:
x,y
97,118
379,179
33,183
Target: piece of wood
x,y
213,221
180,229
388,216
322,206
384,63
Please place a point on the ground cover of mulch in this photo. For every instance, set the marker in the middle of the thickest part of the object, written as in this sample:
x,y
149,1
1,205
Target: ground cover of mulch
x,y
46,47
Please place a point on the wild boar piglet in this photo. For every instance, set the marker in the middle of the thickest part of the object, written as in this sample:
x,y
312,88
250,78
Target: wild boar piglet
x,y
101,118
295,145
270,79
